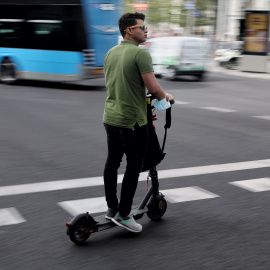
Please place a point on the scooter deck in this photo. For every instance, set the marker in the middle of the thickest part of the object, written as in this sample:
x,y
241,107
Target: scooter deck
x,y
103,223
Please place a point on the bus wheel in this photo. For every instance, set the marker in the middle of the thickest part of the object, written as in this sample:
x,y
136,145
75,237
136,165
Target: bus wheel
x,y
8,72
169,75
200,77
232,64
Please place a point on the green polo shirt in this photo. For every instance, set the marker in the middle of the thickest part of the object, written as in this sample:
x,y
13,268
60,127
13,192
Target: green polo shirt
x,y
126,101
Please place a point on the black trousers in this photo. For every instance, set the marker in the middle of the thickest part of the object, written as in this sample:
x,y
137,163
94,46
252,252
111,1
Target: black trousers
x,y
132,143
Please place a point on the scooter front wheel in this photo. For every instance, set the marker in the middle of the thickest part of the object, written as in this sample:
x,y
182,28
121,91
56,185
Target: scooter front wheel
x,y
157,209
80,231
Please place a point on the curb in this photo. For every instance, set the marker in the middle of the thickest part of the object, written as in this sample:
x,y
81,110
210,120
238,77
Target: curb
x,y
214,67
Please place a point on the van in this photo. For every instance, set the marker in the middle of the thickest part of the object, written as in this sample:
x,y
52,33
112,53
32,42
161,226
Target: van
x,y
174,56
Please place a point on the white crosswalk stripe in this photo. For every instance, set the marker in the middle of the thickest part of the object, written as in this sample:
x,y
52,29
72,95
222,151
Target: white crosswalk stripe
x,y
10,216
92,205
98,205
186,194
218,109
265,117
164,174
254,185
179,102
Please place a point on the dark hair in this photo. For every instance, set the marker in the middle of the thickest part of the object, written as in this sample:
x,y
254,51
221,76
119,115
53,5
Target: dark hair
x,y
129,19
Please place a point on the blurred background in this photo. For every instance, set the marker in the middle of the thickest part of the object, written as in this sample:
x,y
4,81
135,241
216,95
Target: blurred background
x,y
79,33
224,23
213,57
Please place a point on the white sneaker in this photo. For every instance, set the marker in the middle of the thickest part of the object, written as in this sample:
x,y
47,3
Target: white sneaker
x,y
110,213
127,222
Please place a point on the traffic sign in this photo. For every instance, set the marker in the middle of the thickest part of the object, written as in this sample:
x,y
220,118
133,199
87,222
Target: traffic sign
x,y
196,13
189,5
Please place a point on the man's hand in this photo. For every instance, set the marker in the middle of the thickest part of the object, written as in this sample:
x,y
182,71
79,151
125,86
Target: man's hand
x,y
169,97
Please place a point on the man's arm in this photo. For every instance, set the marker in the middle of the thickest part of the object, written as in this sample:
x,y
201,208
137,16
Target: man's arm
x,y
154,87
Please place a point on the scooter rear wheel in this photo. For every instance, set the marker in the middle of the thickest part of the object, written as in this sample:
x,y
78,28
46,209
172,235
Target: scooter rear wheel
x,y
80,231
157,209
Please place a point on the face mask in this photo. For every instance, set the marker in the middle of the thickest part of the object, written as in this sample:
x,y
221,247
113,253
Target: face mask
x,y
162,105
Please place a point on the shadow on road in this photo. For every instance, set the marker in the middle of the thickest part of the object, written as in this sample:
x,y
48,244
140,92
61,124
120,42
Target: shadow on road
x,y
209,77
80,86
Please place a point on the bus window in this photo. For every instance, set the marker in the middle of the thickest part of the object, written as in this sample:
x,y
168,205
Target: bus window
x,y
57,40
45,34
11,33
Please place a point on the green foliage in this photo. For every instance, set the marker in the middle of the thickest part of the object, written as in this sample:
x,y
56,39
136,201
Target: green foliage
x,y
204,6
127,6
161,11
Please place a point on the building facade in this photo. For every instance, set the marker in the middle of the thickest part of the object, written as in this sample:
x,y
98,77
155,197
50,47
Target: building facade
x,y
231,12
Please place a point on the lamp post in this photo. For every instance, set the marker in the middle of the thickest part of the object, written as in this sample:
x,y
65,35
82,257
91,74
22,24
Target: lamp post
x,y
190,7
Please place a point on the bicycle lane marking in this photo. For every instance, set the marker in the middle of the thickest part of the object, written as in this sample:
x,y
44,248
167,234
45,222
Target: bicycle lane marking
x,y
98,181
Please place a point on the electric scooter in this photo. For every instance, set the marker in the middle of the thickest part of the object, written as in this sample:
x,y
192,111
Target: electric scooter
x,y
153,204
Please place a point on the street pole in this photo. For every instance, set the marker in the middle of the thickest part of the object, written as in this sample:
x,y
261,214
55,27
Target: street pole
x,y
189,17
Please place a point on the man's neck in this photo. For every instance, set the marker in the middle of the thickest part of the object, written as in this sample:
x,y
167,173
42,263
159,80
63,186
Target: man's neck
x,y
131,39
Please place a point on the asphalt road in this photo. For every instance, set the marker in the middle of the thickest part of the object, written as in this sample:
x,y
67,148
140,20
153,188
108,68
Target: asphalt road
x,y
216,219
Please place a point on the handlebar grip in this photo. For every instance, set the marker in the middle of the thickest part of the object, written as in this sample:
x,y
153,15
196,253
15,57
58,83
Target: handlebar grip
x,y
172,101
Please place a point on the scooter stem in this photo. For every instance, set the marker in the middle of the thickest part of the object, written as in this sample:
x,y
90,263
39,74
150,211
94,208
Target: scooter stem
x,y
153,174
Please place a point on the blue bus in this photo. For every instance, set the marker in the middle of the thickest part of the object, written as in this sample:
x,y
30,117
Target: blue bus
x,y
56,40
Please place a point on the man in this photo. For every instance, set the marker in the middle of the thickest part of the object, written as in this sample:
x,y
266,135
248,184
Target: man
x,y
128,70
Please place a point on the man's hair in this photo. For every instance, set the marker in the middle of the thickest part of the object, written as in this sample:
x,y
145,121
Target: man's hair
x,y
129,19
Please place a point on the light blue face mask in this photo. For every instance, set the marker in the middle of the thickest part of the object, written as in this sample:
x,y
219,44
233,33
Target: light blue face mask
x,y
162,104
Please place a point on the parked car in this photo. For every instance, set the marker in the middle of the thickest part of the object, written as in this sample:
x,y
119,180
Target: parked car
x,y
229,56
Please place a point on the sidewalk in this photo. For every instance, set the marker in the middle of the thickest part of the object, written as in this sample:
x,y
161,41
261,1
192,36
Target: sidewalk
x,y
214,67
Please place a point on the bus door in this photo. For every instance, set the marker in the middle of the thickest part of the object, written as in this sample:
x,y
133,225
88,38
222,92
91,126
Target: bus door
x,y
101,24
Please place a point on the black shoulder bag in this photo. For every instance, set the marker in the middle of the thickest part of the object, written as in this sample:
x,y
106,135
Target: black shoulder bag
x,y
154,154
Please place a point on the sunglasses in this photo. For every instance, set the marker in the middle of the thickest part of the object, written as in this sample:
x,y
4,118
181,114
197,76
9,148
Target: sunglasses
x,y
143,27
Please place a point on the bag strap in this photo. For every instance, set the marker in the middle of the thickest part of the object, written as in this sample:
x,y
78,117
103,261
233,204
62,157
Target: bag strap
x,y
167,125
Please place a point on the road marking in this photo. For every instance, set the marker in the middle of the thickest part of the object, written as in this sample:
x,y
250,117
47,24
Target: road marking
x,y
265,117
93,205
219,168
10,216
187,194
99,205
181,102
254,185
218,109
164,174
50,186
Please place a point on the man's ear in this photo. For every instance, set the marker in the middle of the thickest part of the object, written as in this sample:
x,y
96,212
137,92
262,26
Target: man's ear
x,y
128,31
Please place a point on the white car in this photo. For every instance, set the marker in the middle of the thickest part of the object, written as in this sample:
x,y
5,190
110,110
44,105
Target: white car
x,y
230,57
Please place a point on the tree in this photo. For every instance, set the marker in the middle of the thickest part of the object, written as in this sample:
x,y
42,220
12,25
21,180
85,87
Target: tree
x,y
163,11
159,11
204,6
127,6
